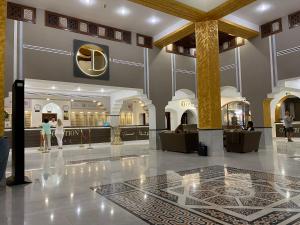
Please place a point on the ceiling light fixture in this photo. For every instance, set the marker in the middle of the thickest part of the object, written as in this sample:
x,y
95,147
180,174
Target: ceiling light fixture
x,y
263,7
78,89
123,11
153,20
53,87
88,2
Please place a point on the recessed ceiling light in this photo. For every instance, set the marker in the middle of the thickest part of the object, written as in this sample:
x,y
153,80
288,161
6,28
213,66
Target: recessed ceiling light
x,y
78,89
53,87
88,2
263,7
48,99
123,11
72,100
102,90
153,20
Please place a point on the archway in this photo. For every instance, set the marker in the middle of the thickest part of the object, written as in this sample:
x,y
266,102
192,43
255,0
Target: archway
x,y
182,104
291,103
52,110
189,117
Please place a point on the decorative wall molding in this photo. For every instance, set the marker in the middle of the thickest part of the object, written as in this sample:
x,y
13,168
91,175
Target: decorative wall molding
x,y
128,63
64,22
288,51
185,71
228,67
49,50
21,12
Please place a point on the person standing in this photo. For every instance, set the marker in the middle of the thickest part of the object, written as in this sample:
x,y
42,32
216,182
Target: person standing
x,y
59,133
53,122
288,124
46,131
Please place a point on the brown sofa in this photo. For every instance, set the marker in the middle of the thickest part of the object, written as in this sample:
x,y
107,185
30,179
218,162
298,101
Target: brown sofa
x,y
184,139
242,141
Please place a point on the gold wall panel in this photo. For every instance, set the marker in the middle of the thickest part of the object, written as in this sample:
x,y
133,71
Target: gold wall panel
x,y
2,61
174,8
267,112
208,74
176,35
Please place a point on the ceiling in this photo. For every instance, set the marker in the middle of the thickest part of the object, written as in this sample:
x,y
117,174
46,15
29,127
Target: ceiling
x,y
263,11
204,5
135,17
69,90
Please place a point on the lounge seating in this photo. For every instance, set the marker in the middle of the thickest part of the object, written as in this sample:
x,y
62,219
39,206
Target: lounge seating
x,y
242,141
184,139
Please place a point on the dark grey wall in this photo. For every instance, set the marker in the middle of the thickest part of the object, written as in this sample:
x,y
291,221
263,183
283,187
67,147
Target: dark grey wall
x,y
288,65
256,76
228,77
49,66
184,80
160,83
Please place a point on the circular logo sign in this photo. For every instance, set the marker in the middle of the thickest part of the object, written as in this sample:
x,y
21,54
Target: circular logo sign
x,y
91,60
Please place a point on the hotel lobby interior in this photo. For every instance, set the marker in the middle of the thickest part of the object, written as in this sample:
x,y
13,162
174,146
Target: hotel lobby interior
x,y
160,112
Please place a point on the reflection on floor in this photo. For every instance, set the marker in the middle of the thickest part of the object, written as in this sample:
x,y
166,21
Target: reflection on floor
x,y
131,185
208,195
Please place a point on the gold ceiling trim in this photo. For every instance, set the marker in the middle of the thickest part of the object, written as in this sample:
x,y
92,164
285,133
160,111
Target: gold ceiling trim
x,y
176,35
236,29
173,8
184,11
227,8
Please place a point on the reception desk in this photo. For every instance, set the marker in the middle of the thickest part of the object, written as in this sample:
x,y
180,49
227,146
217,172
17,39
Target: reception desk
x,y
280,129
84,135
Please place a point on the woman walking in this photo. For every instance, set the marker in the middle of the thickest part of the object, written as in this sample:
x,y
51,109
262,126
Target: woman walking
x,y
59,133
46,131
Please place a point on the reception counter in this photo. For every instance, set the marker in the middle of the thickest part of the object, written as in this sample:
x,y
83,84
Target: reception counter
x,y
280,129
84,135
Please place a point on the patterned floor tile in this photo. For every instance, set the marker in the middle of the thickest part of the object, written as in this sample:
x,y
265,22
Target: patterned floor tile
x,y
255,202
243,211
156,211
190,201
288,205
112,189
253,198
223,201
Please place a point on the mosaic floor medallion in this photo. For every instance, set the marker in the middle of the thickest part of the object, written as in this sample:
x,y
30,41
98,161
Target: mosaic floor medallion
x,y
210,195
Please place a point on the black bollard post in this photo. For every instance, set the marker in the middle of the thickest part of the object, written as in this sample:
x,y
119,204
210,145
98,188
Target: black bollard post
x,y
18,136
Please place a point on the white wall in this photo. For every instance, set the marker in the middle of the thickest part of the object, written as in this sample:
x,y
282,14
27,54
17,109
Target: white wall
x,y
37,116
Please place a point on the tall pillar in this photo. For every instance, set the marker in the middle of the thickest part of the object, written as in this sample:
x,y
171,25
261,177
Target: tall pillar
x,y
266,140
2,62
209,94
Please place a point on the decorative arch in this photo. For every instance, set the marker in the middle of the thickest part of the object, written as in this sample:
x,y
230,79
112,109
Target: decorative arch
x,y
183,100
53,108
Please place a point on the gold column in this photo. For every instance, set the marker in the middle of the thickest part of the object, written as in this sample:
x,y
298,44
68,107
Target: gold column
x,y
208,74
267,112
2,62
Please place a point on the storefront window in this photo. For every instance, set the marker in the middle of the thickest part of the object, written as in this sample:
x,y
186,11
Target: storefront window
x,y
236,114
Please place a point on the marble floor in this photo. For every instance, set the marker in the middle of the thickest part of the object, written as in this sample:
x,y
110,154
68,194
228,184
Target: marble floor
x,y
132,185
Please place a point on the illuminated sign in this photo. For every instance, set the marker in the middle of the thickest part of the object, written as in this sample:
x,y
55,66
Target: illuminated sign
x,y
91,60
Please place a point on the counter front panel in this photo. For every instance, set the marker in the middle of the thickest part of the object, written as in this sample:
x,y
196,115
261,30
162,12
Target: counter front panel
x,y
281,133
76,136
